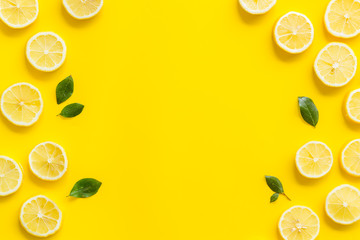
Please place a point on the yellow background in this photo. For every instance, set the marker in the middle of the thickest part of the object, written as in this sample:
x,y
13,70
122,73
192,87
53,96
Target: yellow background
x,y
188,104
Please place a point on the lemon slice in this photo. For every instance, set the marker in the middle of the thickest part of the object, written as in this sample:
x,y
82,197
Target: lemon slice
x,y
40,216
353,106
19,13
257,6
314,159
343,204
83,9
299,222
336,64
294,32
10,176
48,161
350,158
342,18
22,104
46,51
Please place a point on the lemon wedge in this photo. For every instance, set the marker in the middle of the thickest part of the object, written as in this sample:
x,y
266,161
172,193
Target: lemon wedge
x,y
19,13
353,106
350,158
10,176
40,216
343,204
294,32
83,9
48,161
22,104
257,6
299,222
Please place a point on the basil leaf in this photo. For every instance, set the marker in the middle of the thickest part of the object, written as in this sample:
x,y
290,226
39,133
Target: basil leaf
x,y
72,110
308,111
64,89
274,184
274,197
85,188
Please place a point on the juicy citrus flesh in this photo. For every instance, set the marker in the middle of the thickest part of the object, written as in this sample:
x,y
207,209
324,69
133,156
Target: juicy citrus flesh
x,y
336,64
343,204
353,106
299,223
294,32
40,216
18,13
350,158
257,6
314,159
83,8
342,18
10,176
48,161
46,51
22,104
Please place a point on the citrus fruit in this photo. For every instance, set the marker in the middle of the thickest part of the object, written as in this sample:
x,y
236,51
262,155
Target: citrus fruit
x,y
46,51
294,32
10,176
48,161
83,9
40,216
350,158
314,159
257,6
299,222
336,64
353,106
22,104
343,204
342,18
19,13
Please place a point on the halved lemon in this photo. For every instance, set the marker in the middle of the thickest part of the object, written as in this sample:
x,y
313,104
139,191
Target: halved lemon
x,y
342,18
336,64
19,13
40,216
299,222
257,6
353,106
294,32
46,51
314,159
83,9
22,104
350,158
10,176
48,161
343,204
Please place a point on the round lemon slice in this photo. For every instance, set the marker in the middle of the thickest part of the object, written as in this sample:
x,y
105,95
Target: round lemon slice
x,y
19,13
83,9
350,158
353,106
48,161
40,216
342,18
10,176
299,222
314,159
294,32
343,204
336,64
257,6
46,51
22,104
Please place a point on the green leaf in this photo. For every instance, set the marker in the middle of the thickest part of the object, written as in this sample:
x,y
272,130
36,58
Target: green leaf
x,y
308,111
85,188
274,197
274,184
64,89
72,110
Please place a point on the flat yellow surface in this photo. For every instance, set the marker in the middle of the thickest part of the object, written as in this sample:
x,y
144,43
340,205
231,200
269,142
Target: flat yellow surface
x,y
188,104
